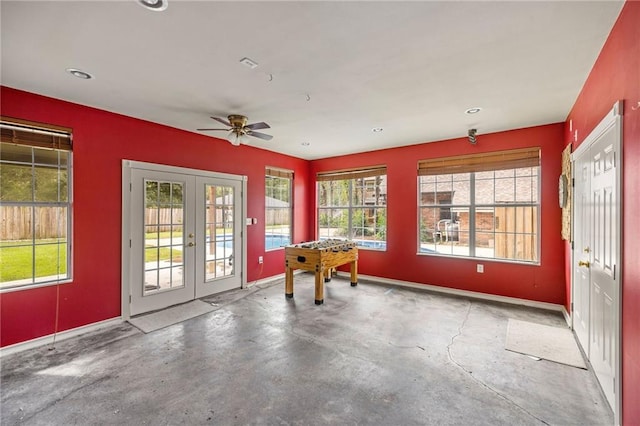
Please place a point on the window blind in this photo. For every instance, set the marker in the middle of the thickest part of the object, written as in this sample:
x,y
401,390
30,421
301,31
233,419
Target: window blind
x,y
498,160
23,132
352,173
272,171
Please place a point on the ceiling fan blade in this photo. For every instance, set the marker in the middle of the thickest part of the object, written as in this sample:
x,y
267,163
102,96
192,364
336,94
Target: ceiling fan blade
x,y
223,121
202,130
260,135
257,126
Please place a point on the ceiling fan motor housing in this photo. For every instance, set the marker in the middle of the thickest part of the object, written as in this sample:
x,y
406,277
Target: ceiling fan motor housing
x,y
237,121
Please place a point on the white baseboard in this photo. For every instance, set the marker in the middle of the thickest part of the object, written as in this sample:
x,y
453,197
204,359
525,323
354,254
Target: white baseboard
x,y
457,292
567,317
63,335
272,278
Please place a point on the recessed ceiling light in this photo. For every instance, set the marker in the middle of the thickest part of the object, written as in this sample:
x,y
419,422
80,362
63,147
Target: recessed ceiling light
x,y
376,129
305,144
80,74
156,5
474,110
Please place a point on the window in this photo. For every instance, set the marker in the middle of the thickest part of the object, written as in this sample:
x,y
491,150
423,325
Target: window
x,y
278,208
352,204
483,206
35,196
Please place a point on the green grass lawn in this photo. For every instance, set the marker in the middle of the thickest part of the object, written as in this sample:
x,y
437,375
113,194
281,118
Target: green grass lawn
x,y
151,254
17,262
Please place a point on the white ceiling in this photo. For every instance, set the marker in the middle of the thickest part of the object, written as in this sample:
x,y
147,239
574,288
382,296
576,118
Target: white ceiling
x,y
328,72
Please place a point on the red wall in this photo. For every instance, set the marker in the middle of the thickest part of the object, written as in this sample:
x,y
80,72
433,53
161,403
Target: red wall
x,y
545,283
100,141
616,76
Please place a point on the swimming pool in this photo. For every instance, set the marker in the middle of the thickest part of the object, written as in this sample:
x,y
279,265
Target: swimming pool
x,y
272,241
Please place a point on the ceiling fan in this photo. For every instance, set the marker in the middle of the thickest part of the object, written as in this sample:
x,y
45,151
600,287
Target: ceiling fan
x,y
239,129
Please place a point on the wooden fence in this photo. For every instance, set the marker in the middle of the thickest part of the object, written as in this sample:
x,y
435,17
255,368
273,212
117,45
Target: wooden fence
x,y
163,218
18,222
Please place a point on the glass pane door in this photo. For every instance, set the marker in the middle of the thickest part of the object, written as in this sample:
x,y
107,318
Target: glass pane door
x,y
162,244
163,231
218,225
183,235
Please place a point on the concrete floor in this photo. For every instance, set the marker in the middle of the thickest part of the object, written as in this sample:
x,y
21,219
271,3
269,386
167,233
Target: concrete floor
x,y
372,354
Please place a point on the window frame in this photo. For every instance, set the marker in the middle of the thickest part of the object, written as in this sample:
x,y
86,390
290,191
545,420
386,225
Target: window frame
x,y
277,173
351,176
473,164
41,137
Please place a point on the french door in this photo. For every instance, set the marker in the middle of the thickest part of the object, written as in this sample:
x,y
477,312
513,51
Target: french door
x,y
182,235
596,274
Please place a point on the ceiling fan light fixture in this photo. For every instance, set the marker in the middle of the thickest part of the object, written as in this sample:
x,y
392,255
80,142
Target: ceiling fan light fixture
x,y
234,138
155,5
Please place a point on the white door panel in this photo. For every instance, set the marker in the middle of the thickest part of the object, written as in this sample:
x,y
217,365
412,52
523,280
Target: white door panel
x,y
162,263
582,241
218,216
605,238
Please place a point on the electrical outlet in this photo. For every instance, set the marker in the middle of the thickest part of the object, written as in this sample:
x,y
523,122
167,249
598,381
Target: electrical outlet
x,y
260,260
480,268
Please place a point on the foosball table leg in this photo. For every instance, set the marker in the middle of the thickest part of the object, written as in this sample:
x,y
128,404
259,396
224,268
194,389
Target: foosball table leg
x,y
319,287
354,273
288,283
328,274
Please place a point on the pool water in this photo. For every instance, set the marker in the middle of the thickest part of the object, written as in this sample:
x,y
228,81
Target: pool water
x,y
272,241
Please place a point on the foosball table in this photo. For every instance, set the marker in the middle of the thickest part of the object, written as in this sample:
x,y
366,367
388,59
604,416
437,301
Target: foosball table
x,y
321,257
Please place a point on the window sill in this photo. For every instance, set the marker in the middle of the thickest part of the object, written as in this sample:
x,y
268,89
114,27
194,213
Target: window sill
x,y
482,259
274,249
22,287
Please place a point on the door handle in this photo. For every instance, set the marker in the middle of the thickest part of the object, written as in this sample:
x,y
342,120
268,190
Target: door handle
x,y
191,244
585,264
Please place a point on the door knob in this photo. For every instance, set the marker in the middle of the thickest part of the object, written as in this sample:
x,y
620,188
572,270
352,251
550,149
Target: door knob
x,y
585,264
191,244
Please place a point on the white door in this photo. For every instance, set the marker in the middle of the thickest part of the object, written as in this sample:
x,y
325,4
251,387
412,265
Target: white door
x,y
596,280
604,290
218,236
582,249
162,254
184,230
